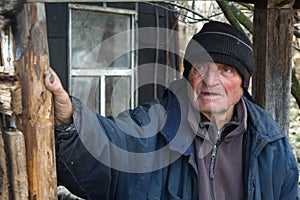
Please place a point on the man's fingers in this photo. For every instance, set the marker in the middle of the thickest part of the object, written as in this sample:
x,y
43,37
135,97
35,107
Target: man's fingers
x,y
53,83
51,78
62,102
49,82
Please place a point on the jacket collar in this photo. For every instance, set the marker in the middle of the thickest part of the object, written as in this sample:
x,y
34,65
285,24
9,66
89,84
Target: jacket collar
x,y
262,129
261,123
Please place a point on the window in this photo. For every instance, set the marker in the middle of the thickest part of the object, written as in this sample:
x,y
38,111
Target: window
x,y
101,55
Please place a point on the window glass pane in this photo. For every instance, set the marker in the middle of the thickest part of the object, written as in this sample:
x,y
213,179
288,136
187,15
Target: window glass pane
x,y
87,89
117,94
89,29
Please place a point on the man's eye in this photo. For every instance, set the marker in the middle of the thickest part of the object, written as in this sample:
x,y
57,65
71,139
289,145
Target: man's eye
x,y
227,69
201,68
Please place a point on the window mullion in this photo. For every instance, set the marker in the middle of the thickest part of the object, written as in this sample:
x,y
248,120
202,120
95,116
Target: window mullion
x,y
102,95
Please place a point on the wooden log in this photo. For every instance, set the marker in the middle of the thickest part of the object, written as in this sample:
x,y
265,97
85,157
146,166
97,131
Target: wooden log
x,y
10,97
15,146
281,3
36,121
272,38
4,181
10,89
7,68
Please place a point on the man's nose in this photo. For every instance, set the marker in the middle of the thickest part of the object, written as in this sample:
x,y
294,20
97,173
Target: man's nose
x,y
211,77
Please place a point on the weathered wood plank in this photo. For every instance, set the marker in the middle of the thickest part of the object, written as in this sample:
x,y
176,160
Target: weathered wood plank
x,y
36,121
15,146
4,181
280,3
10,97
273,34
7,54
262,4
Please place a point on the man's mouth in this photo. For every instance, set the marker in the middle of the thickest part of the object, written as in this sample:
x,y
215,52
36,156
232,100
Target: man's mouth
x,y
210,95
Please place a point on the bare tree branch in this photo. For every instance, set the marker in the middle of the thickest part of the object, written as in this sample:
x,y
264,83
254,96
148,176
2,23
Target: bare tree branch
x,y
295,87
242,18
229,14
247,6
296,33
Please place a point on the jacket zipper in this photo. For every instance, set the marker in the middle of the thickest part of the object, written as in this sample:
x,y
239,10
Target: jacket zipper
x,y
212,164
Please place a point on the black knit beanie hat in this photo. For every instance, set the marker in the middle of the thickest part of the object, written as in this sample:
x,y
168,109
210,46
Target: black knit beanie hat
x,y
221,43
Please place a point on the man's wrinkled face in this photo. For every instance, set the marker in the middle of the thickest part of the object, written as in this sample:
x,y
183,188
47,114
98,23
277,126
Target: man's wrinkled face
x,y
216,87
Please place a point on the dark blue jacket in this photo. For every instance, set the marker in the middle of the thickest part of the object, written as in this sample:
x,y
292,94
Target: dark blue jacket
x,y
91,163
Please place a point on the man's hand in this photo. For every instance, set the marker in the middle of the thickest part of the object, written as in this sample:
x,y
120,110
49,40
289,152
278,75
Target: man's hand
x,y
62,102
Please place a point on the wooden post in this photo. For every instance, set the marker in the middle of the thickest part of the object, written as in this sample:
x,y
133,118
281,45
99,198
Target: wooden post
x,y
272,38
36,121
4,181
15,146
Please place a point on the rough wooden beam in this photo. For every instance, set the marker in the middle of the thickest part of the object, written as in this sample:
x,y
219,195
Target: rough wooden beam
x,y
7,53
15,146
10,97
275,3
36,121
273,34
10,89
280,3
4,181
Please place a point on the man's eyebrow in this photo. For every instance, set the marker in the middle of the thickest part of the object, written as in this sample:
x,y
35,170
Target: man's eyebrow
x,y
224,65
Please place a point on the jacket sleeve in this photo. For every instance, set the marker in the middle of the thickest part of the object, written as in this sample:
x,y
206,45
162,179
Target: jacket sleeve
x,y
78,169
290,185
93,155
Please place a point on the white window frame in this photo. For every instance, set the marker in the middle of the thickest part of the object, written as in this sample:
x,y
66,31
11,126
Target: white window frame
x,y
102,74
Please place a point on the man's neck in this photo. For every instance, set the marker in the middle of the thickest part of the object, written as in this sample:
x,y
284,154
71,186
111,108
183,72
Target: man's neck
x,y
220,118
